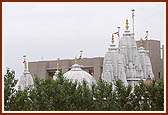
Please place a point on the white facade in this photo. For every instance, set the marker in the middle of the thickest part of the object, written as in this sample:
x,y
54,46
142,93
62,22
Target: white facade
x,y
26,79
126,62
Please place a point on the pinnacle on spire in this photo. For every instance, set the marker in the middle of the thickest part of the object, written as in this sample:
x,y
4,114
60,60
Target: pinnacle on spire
x,y
25,63
141,43
112,39
57,66
75,60
126,24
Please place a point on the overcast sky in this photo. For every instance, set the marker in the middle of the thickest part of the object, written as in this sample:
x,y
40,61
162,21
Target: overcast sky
x,y
61,30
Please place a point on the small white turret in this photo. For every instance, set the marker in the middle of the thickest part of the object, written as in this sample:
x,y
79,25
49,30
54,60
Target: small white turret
x,y
113,65
56,73
26,79
145,61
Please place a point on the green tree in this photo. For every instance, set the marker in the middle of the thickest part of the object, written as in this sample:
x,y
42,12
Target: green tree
x,y
155,92
9,89
64,95
122,94
103,96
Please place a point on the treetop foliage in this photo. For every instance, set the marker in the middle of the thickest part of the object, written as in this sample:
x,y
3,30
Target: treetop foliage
x,y
64,95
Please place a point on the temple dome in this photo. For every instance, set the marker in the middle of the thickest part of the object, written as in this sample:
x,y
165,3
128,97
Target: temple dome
x,y
77,74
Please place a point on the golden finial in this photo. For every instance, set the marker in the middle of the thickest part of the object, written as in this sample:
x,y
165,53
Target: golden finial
x,y
126,24
75,60
57,66
141,43
112,39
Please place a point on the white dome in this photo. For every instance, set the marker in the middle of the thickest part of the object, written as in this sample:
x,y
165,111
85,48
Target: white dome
x,y
77,74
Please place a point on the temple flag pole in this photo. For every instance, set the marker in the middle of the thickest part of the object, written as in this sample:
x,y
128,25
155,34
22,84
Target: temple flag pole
x,y
133,21
80,57
146,37
147,40
25,63
118,35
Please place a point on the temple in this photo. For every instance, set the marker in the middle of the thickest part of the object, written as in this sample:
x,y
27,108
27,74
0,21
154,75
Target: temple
x,y
126,62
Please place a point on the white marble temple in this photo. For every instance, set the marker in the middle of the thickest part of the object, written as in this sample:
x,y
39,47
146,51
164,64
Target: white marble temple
x,y
126,62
